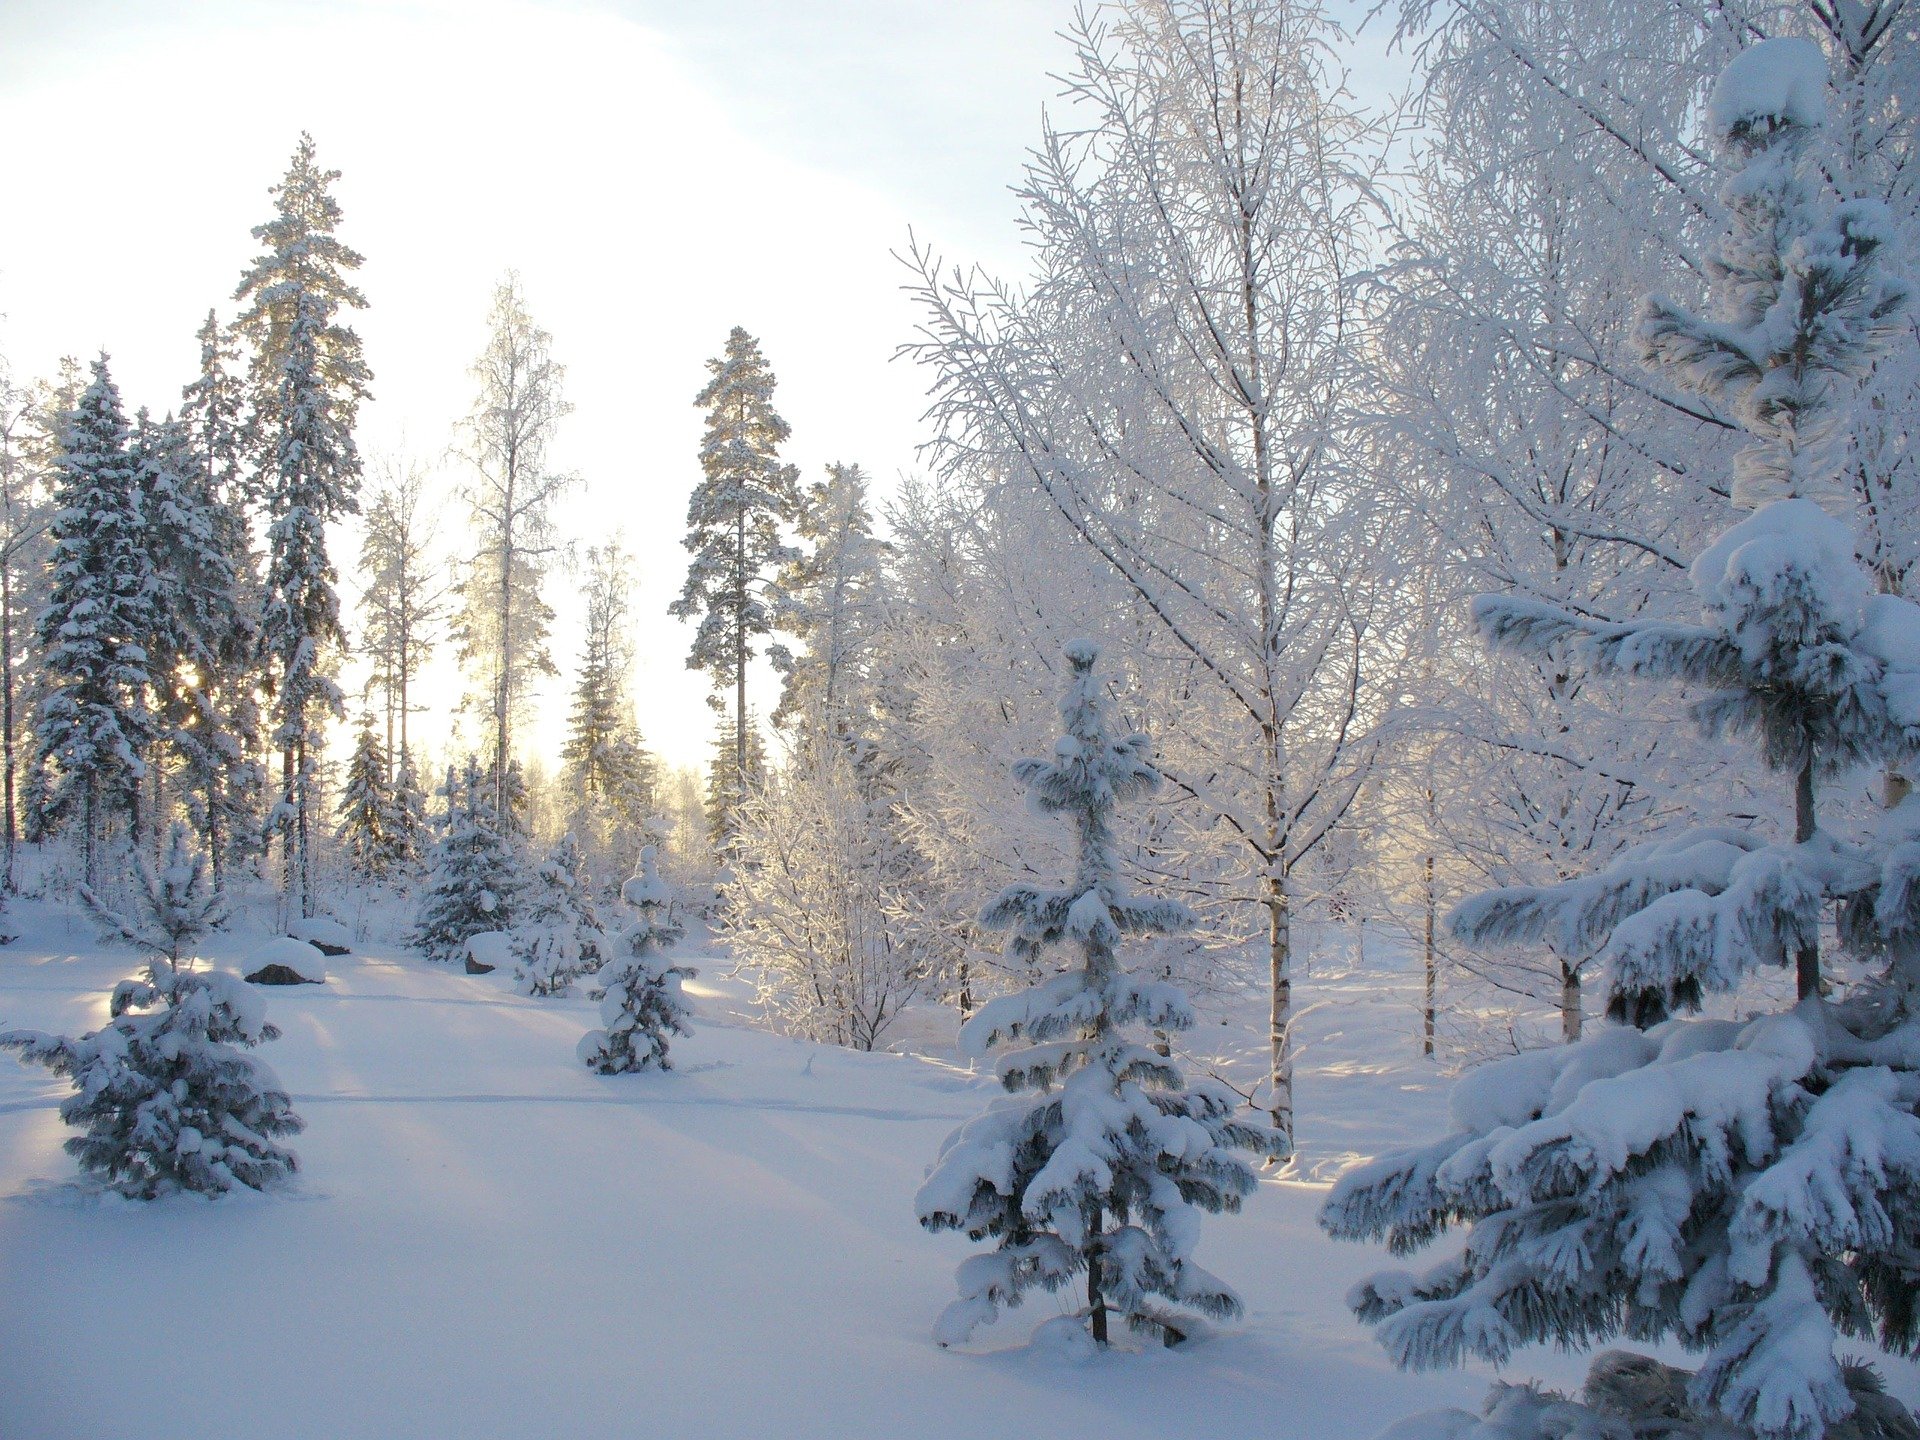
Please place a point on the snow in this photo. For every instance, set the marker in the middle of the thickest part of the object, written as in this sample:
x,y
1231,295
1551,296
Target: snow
x,y
491,947
1788,538
297,955
461,1174
321,930
1781,79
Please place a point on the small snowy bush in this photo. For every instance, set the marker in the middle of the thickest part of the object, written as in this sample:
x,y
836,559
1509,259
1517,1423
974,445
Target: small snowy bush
x,y
642,1003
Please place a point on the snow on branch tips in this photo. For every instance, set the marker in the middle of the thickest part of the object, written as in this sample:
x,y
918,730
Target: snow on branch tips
x,y
1099,1157
165,1095
1743,1188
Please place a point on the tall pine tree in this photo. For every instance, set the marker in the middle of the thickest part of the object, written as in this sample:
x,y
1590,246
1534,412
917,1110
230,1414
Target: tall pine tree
x,y
733,525
307,381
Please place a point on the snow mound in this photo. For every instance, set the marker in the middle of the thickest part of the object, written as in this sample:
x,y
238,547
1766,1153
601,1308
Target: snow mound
x,y
1782,80
296,955
489,950
319,930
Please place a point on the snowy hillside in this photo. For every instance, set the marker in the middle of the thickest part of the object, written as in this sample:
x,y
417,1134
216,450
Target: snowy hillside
x,y
487,1240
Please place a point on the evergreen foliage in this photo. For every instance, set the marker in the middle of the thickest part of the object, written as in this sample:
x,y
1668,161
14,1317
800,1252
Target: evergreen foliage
x,y
412,830
1101,1167
95,724
371,829
733,525
609,770
729,786
165,1094
1740,1187
1803,301
204,636
641,1004
178,903
307,381
473,871
558,937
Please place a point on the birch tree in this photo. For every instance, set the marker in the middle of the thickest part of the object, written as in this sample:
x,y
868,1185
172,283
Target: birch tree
x,y
403,605
1173,385
504,622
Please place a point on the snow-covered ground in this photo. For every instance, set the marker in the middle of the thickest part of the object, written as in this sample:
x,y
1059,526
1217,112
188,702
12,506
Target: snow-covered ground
x,y
489,1241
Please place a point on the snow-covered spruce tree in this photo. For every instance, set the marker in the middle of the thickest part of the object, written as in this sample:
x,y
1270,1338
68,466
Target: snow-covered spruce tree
x,y
412,830
558,936
369,830
95,725
178,903
610,773
733,527
642,1002
307,380
1748,1189
1101,1168
473,871
1801,303
201,642
728,785
166,1094
832,599
202,538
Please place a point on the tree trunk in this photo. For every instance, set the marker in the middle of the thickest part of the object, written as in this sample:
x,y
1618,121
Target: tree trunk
x,y
289,871
1280,1015
12,829
89,852
506,662
1096,1294
740,655
1807,962
1570,1016
1431,966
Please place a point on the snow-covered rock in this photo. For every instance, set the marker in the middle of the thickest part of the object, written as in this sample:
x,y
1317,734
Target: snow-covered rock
x,y
285,956
488,951
324,933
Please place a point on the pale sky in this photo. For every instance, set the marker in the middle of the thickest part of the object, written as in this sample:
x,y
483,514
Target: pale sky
x,y
657,172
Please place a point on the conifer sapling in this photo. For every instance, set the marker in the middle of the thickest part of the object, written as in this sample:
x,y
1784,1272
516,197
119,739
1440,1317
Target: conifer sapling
x,y
1100,1154
642,1002
165,1094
